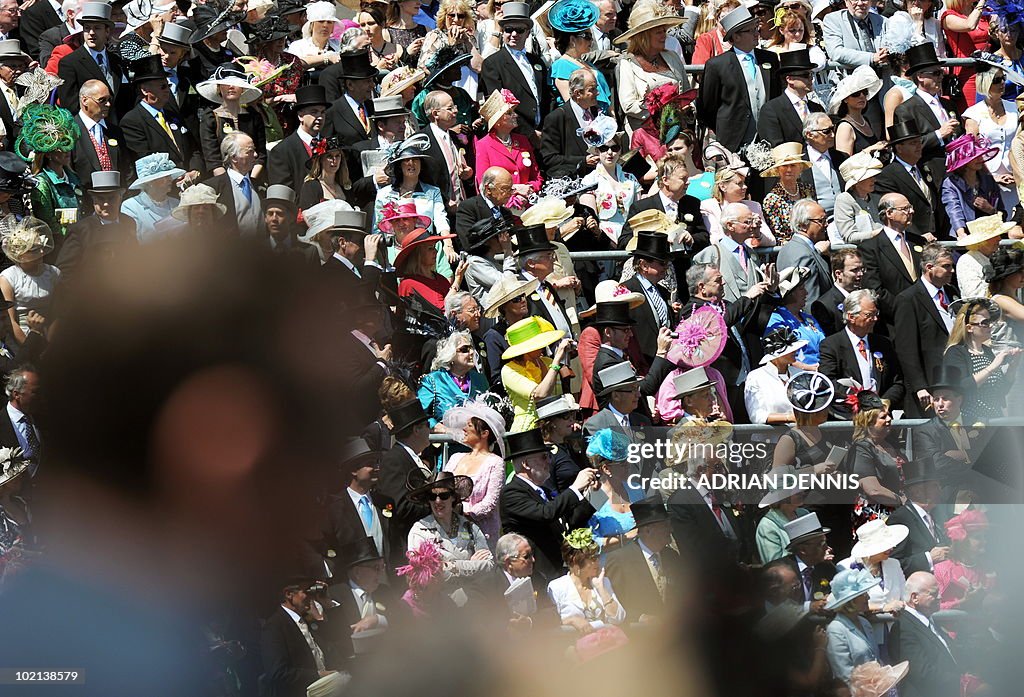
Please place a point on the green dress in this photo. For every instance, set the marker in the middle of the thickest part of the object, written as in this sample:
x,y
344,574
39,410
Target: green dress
x,y
52,194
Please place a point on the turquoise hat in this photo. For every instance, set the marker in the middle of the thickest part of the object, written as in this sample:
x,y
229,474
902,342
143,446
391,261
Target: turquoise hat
x,y
573,16
848,584
610,445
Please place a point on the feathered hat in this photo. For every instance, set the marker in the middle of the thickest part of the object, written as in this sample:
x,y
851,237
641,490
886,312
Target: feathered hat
x,y
46,129
25,240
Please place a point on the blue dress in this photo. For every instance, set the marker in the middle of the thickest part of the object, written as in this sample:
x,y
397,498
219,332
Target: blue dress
x,y
607,522
805,327
438,392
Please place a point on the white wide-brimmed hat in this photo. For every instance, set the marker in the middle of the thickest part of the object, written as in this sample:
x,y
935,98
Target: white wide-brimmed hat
x,y
230,75
549,212
779,493
154,166
612,291
862,78
875,537
320,11
858,167
508,287
197,195
985,228
322,217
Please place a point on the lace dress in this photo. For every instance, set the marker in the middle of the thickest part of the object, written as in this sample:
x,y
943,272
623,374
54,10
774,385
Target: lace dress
x,y
482,505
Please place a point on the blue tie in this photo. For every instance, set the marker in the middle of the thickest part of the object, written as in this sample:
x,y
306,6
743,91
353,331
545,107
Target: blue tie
x,y
247,188
366,511
751,68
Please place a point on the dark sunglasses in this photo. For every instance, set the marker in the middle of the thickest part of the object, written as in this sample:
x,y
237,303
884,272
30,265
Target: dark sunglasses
x,y
859,93
826,131
998,80
465,348
442,496
518,299
458,15
614,147
982,323
515,29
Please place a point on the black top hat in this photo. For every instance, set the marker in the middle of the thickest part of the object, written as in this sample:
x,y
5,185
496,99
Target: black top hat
x,y
612,315
525,443
356,66
532,239
407,414
903,130
480,232
354,450
920,471
921,57
148,68
948,377
649,510
14,174
270,28
419,486
798,61
651,245
360,551
290,7
311,95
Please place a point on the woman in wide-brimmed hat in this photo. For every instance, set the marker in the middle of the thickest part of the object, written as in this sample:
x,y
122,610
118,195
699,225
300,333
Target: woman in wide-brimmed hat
x,y
318,48
995,118
851,641
155,177
856,208
969,190
646,63
404,165
231,90
873,552
982,239
461,542
558,418
765,389
30,282
786,162
790,314
328,177
505,302
570,22
784,504
50,134
501,147
416,265
528,375
274,71
853,132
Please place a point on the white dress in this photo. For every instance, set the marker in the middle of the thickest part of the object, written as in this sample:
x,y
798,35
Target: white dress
x,y
31,292
568,603
1000,136
764,393
306,47
614,197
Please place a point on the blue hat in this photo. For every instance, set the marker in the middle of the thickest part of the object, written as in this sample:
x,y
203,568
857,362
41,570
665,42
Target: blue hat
x,y
572,16
848,584
610,445
154,166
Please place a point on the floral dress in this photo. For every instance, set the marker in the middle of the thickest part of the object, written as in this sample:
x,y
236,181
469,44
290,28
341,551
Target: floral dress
x,y
614,197
778,204
285,83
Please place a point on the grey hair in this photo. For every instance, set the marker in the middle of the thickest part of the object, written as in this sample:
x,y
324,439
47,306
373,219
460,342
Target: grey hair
x,y
932,253
855,299
917,582
348,39
800,216
731,212
577,80
508,547
433,101
696,274
532,256
446,347
887,203
17,380
230,146
812,120
453,303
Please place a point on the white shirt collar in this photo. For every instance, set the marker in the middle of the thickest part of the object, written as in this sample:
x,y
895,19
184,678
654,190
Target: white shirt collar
x,y
354,495
235,176
893,235
306,138
666,202
619,416
291,613
16,414
533,486
842,290
645,549
932,290
794,98
346,262
815,155
412,453
89,123
439,135
617,352
855,340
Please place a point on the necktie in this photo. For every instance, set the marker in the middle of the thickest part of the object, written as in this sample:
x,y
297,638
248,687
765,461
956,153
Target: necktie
x,y
959,437
660,308
362,118
456,164
716,508
549,294
495,212
366,512
626,426
247,188
100,143
931,525
659,577
742,254
941,298
806,576
163,124
801,108
99,61
748,58
30,437
908,260
369,607
548,494
862,349
916,173
318,655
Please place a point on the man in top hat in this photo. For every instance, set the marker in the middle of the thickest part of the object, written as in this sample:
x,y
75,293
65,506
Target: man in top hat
x,y
855,352
34,20
535,256
738,83
697,396
539,515
103,233
934,669
495,191
513,68
174,49
292,659
13,63
353,252
92,61
359,511
914,177
782,119
562,149
99,148
922,325
287,163
932,114
446,164
620,394
927,544
411,429
945,438
389,117
484,240
279,211
646,572
810,556
852,36
148,127
349,85
615,325
651,262
358,595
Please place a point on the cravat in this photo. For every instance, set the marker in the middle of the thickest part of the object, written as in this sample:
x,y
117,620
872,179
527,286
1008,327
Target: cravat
x,y
99,142
30,436
458,195
247,188
318,655
366,512
748,58
862,349
549,294
908,260
806,576
163,124
362,118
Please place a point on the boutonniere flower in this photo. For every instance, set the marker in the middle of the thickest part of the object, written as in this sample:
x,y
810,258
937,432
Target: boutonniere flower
x,y
819,595
173,126
535,296
380,607
527,162
184,130
228,128
766,66
111,142
331,554
688,218
388,510
536,66
638,436
917,248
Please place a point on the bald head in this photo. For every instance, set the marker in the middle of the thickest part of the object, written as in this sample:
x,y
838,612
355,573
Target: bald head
x,y
496,184
94,99
922,593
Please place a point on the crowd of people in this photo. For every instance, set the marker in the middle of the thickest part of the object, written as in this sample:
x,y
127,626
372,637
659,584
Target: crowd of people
x,y
550,234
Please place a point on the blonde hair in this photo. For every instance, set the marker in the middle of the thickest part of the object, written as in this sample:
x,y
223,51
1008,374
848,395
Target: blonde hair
x,y
455,6
640,45
711,12
958,334
864,420
957,5
723,176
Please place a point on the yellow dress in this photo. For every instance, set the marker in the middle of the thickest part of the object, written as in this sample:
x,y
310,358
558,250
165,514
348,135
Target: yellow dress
x,y
520,379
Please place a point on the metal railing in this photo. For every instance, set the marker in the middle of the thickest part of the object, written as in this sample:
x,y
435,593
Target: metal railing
x,y
832,65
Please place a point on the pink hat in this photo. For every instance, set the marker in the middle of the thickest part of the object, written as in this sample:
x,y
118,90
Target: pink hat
x,y
395,211
968,148
967,523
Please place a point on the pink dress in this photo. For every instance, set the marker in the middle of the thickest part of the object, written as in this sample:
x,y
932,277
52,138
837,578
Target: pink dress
x,y
670,409
482,505
951,575
963,44
520,161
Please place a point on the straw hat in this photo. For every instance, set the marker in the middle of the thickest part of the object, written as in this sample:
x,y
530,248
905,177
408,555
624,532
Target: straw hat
x,y
859,167
507,288
229,75
786,154
154,166
549,212
611,291
499,103
873,680
530,334
985,228
645,16
197,195
862,78
875,537
849,584
400,78
649,221
25,240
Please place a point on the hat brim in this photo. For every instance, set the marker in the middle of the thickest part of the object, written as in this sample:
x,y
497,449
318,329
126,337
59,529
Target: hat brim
x,y
208,90
843,599
200,36
792,348
407,249
104,189
666,21
559,412
778,496
96,20
807,536
460,485
397,88
138,183
923,66
181,212
695,388
870,173
534,343
388,114
282,202
422,220
459,61
995,312
873,88
894,534
564,218
956,160
978,237
493,309
635,300
774,170
620,385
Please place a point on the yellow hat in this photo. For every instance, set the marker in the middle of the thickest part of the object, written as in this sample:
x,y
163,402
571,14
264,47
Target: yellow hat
x,y
530,334
649,221
549,212
985,228
786,154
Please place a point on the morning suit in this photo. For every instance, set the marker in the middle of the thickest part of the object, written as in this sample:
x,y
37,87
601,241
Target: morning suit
x,y
606,419
698,533
818,581
341,121
476,208
562,149
780,123
933,671
12,125
225,189
606,358
633,579
287,162
737,280
143,134
501,71
838,360
912,551
724,101
688,213
917,110
84,158
928,210
395,466
849,43
436,167
827,312
288,663
884,270
934,439
920,336
79,66
346,525
800,251
647,326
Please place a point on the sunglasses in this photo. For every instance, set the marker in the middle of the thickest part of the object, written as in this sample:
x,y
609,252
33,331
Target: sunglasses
x,y
465,348
458,15
518,299
859,93
515,30
439,496
998,80
614,147
826,131
982,323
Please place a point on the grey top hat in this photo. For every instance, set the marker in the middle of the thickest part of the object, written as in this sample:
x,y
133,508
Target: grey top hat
x,y
96,12
11,48
350,220
106,180
385,107
176,35
736,19
617,377
280,194
519,11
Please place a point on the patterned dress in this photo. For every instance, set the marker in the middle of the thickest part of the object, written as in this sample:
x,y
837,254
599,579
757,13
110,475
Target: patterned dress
x,y
777,206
